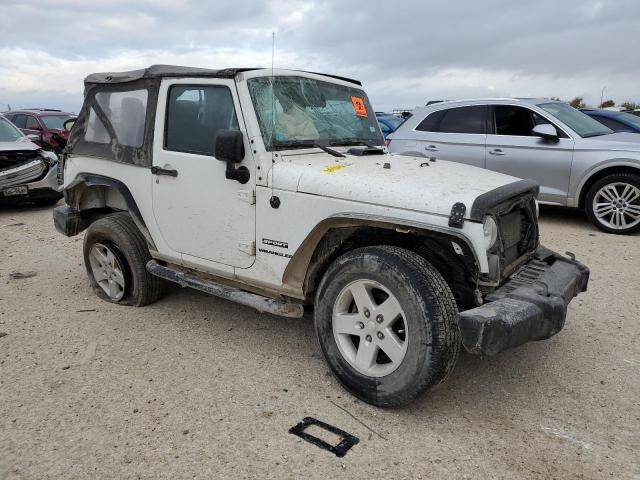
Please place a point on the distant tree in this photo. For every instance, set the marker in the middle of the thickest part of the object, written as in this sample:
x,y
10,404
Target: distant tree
x,y
577,102
630,106
607,104
556,98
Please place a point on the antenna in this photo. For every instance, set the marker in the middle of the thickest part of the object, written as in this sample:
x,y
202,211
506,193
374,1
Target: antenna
x,y
273,201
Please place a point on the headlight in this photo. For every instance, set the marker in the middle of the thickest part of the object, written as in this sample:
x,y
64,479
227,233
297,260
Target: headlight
x,y
490,228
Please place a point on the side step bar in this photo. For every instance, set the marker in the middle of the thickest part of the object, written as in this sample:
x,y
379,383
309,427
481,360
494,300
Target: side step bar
x,y
260,303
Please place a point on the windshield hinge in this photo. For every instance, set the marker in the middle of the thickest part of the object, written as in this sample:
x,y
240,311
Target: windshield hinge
x,y
247,246
248,196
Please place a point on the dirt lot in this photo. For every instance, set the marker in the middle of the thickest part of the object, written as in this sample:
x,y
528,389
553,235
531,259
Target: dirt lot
x,y
198,387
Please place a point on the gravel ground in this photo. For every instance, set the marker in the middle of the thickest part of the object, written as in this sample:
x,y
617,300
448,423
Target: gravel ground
x,y
196,387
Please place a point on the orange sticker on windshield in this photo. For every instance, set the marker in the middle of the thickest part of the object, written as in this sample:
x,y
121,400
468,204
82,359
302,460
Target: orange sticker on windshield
x,y
358,106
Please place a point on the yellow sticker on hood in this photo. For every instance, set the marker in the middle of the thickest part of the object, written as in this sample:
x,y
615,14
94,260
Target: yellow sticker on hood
x,y
333,168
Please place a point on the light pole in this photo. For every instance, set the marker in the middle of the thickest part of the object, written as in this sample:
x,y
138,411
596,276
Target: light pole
x,y
602,97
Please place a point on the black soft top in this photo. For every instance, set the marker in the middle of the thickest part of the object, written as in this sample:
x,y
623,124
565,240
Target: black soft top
x,y
162,71
118,114
166,71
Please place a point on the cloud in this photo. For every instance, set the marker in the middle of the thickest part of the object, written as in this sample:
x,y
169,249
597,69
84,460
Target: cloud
x,y
405,52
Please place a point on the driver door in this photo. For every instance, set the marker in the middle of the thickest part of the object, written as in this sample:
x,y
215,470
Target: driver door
x,y
200,213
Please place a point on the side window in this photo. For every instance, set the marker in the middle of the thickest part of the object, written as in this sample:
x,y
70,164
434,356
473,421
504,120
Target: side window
x,y
31,122
614,125
463,120
96,131
126,112
20,121
512,120
432,122
194,116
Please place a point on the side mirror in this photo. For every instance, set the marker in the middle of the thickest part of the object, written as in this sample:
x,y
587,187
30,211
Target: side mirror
x,y
69,124
33,137
546,131
229,147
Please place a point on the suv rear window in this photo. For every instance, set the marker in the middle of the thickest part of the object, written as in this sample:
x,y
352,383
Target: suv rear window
x,y
455,120
126,112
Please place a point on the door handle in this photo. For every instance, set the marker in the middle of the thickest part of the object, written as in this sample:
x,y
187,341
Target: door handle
x,y
431,148
164,171
496,151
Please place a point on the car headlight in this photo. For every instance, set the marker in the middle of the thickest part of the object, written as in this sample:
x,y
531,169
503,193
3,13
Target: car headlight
x,y
490,228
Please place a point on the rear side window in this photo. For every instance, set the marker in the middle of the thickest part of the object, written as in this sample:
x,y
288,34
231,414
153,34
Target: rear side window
x,y
432,122
194,116
126,113
463,120
455,120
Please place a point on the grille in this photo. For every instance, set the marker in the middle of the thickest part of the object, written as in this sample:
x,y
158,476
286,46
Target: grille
x,y
22,174
518,234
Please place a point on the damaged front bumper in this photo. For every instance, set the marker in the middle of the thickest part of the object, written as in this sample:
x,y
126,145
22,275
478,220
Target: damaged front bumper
x,y
531,305
31,180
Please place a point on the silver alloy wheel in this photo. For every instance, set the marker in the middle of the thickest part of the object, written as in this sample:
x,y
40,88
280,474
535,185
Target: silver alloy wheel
x,y
617,205
107,271
370,328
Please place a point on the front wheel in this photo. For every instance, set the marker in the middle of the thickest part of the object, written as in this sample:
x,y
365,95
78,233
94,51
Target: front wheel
x,y
613,203
387,324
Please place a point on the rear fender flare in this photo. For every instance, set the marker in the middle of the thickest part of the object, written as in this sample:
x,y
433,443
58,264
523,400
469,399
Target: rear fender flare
x,y
84,184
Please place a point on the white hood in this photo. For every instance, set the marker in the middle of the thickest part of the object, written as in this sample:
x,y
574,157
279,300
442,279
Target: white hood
x,y
433,187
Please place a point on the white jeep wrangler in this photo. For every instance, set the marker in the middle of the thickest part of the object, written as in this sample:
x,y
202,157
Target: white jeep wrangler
x,y
274,189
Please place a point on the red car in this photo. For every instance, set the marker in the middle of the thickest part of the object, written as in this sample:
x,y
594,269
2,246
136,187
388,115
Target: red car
x,y
44,127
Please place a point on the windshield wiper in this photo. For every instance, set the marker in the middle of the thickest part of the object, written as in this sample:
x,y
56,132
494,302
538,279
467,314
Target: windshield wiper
x,y
353,143
306,144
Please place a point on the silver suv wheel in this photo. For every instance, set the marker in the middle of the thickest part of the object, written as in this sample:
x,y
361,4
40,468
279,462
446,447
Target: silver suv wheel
x,y
107,271
369,328
617,205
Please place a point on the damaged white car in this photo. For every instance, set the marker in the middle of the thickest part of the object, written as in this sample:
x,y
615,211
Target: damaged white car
x,y
26,171
274,189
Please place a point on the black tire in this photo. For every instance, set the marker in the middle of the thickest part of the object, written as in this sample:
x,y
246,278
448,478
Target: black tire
x,y
433,338
617,178
119,233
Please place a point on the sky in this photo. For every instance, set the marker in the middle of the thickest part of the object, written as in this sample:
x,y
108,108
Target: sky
x,y
405,52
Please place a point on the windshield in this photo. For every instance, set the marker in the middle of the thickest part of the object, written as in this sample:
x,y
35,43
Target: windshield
x,y
582,124
8,133
55,121
298,112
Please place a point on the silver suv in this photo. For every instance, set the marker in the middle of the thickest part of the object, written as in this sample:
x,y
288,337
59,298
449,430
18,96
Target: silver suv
x,y
577,161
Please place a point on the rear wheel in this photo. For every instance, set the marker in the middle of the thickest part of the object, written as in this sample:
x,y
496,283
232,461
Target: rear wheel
x,y
115,256
387,324
613,203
